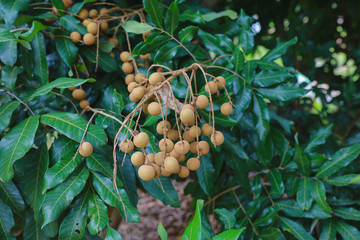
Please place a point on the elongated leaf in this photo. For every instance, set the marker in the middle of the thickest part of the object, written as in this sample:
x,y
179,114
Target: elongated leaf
x,y
227,218
32,228
6,111
215,15
222,120
133,26
15,144
106,62
347,231
35,28
242,98
302,160
261,116
152,7
247,40
295,229
191,15
318,138
10,9
280,49
67,50
112,234
8,47
9,76
74,224
128,176
187,34
231,234
40,63
6,222
303,195
329,230
214,43
340,159
58,199
276,183
266,217
206,174
318,193
167,52
345,180
238,59
292,209
193,230
162,232
152,45
172,18
98,214
61,147
282,146
112,100
151,120
72,24
109,195
348,213
269,78
283,92
270,234
73,126
11,196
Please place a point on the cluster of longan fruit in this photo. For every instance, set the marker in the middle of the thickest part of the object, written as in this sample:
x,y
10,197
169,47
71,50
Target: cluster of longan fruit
x,y
80,95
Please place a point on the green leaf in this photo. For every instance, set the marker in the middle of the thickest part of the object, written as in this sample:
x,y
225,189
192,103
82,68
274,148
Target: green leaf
x,y
295,229
9,76
261,116
61,83
193,230
58,199
247,41
73,126
98,214
151,45
112,100
267,217
152,7
162,232
267,78
106,62
232,234
222,120
72,24
10,9
110,196
242,98
318,138
282,146
151,120
276,183
67,50
167,52
172,18
61,147
40,69
187,34
35,28
238,59
292,209
283,92
6,111
133,26
302,160
208,17
74,224
192,16
347,213
303,195
340,159
347,231
112,234
279,50
6,222
8,47
329,230
11,196
270,234
206,174
32,228
318,193
345,180
128,176
227,218
15,144
214,43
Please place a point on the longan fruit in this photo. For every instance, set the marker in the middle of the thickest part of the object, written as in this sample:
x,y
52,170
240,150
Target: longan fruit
x,y
145,34
92,28
195,131
211,87
127,67
89,39
155,78
179,157
162,127
69,88
193,164
220,81
182,147
104,26
84,13
154,108
172,134
151,157
157,170
114,41
79,94
146,172
137,159
202,102
188,106
131,86
75,37
126,146
141,140
50,20
193,147
138,92
159,158
207,129
174,154
165,173
133,98
86,22
104,12
226,108
68,3
204,148
124,56
93,13
187,117
187,137
84,104
166,146
171,164
217,138
145,57
159,69
140,77
149,88
129,78
145,108
86,149
184,172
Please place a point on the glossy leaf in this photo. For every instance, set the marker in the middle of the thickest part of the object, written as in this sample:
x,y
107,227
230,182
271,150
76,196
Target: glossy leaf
x,y
112,234
162,232
11,9
227,218
318,138
329,230
35,28
167,52
238,59
32,228
133,26
267,217
6,112
348,213
268,78
295,229
206,174
283,92
128,176
172,18
193,230
318,193
72,24
8,47
6,222
9,76
40,69
67,50
106,62
222,120
152,7
208,17
276,183
347,231
98,214
61,147
187,34
261,116
344,180
112,100
11,196
192,16
303,195
232,234
302,160
279,50
242,98
292,209
270,234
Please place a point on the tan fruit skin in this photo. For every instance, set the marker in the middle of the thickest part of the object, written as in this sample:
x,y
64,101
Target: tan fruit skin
x,y
193,164
127,67
171,165
141,140
146,172
86,149
79,94
154,108
89,39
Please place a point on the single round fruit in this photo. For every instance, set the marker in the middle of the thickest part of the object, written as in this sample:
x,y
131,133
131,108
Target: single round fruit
x,y
226,108
202,101
69,88
93,13
79,94
84,13
84,104
211,87
187,137
162,127
155,78
86,22
182,147
166,145
104,12
193,147
145,57
157,170
92,28
89,39
204,148
165,173
104,26
131,86
154,108
174,154
127,67
133,98
171,164
75,37
188,106
50,20
159,158
195,131
139,92
149,88
140,77
141,140
124,56
193,164
145,108
114,41
68,3
137,159
187,117
220,81
86,149
150,157
129,78
126,146
145,34
184,172
207,129
217,138
146,172
172,134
